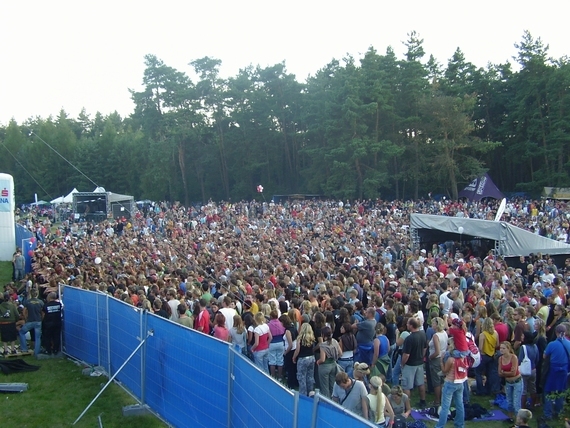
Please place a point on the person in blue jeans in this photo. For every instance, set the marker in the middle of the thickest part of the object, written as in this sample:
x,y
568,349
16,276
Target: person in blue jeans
x,y
509,370
33,316
455,371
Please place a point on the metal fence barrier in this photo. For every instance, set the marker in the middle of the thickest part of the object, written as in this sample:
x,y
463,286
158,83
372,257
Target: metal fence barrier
x,y
184,377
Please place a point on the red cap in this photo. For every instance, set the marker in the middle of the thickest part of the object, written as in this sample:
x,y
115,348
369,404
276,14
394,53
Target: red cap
x,y
397,295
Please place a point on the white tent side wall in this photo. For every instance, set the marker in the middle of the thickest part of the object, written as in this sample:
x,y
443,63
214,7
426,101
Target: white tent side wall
x,y
512,240
7,225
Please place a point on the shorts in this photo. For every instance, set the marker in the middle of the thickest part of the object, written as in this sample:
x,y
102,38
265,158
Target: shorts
x,y
529,383
412,376
8,332
434,369
276,354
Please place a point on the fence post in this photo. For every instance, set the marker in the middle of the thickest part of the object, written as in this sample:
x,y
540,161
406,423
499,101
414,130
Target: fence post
x,y
316,398
98,324
107,297
295,410
142,323
231,377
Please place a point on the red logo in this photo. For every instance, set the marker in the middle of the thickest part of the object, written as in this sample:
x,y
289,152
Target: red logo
x,y
4,193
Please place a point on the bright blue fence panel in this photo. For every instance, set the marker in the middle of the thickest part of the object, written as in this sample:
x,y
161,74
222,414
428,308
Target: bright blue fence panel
x,y
257,400
305,412
331,416
186,375
125,336
80,324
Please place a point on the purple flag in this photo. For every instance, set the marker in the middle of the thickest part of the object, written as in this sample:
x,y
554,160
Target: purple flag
x,y
481,187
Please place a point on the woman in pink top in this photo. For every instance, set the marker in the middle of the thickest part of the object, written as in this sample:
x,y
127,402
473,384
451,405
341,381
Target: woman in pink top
x,y
277,346
260,348
220,330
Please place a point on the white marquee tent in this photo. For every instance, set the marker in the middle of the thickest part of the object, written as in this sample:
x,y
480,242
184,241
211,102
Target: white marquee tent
x,y
65,199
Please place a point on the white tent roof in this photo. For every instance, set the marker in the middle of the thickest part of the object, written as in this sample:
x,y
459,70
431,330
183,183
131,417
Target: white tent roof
x,y
65,199
513,241
117,197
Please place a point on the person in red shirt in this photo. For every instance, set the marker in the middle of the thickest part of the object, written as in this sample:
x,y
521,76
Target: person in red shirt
x,y
457,331
501,328
202,321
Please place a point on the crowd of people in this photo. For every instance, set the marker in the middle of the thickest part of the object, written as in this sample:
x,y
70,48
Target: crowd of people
x,y
332,295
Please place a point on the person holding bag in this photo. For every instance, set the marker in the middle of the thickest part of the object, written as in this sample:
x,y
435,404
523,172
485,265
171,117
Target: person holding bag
x,y
528,356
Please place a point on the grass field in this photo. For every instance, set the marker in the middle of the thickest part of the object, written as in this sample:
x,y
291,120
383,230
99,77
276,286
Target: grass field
x,y
58,393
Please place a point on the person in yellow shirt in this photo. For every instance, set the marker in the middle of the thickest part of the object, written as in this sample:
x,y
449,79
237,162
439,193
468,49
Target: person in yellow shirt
x,y
543,309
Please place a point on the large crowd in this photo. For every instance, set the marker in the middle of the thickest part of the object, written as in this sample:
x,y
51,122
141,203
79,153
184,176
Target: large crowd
x,y
331,295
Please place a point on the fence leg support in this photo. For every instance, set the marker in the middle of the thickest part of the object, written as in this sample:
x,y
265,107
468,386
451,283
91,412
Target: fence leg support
x,y
150,333
136,410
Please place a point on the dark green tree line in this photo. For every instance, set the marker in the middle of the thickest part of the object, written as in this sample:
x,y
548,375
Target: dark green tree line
x,y
377,127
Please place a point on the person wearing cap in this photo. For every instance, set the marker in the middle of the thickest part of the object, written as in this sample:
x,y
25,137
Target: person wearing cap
x,y
557,356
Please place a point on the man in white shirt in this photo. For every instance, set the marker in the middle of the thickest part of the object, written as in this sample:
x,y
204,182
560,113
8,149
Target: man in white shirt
x,y
173,302
445,303
228,311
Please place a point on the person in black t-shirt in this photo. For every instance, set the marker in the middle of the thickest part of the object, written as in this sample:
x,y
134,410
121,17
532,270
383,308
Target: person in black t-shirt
x,y
51,326
413,360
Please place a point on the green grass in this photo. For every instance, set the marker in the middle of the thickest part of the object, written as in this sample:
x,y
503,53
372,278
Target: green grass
x,y
58,393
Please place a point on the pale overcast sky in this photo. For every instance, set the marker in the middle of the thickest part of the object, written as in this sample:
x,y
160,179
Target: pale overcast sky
x,y
74,54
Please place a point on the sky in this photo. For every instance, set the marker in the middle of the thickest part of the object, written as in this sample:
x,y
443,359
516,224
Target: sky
x,y
87,54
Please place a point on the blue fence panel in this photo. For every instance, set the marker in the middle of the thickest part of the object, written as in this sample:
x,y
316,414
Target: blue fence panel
x,y
257,400
125,335
305,412
186,375
331,416
80,324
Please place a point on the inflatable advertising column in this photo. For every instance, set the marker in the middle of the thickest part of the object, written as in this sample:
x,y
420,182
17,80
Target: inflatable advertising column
x,y
7,227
